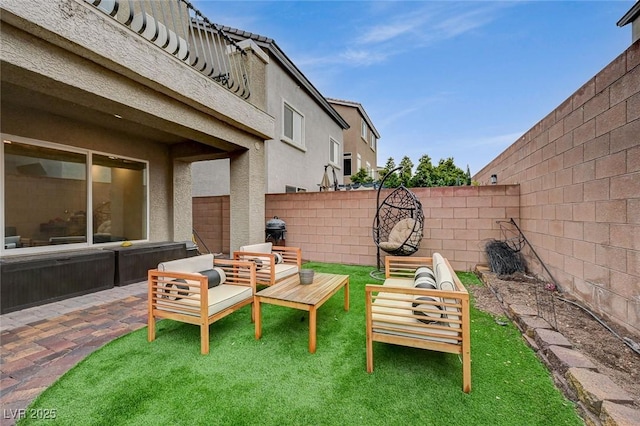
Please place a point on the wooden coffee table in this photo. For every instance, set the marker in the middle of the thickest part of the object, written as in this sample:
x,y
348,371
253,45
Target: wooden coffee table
x,y
308,297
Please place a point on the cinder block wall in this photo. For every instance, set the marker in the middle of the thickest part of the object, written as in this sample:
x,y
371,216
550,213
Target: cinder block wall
x,y
579,176
211,220
336,227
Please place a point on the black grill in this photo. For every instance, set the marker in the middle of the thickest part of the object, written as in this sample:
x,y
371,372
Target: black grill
x,y
275,231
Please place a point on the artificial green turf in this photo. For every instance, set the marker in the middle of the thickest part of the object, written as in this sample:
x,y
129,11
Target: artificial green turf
x,y
276,381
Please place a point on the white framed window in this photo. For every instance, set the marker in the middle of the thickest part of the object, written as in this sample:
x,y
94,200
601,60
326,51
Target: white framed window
x,y
292,125
368,168
363,130
359,163
334,151
75,196
372,141
346,164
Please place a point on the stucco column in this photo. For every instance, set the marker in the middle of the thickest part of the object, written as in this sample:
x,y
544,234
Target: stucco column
x,y
182,210
255,62
247,197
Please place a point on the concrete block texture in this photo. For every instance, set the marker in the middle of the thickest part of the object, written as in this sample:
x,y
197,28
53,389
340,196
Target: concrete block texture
x,y
593,199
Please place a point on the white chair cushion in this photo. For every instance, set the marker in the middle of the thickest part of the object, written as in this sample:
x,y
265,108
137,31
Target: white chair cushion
x,y
220,297
188,264
257,248
444,281
409,327
284,270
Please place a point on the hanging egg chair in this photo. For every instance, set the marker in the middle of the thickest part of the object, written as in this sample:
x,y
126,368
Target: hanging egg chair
x,y
399,222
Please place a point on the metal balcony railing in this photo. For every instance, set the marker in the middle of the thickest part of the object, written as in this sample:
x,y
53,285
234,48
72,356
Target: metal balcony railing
x,y
180,29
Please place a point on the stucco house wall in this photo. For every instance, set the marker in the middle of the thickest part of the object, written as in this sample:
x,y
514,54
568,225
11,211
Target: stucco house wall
x,y
75,76
579,174
286,164
354,114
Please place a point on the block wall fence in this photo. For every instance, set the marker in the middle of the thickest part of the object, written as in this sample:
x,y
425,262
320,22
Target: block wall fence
x,y
579,176
336,227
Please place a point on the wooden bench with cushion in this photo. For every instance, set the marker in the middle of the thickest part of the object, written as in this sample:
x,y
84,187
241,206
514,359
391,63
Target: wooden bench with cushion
x,y
273,263
199,290
421,304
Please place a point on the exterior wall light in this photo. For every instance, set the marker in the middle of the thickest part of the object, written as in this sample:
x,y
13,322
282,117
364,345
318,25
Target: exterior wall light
x,y
494,179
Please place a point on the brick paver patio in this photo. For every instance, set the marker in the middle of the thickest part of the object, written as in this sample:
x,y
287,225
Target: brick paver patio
x,y
40,344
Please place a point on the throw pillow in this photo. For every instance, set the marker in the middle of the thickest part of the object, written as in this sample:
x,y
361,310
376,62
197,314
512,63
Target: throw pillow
x,y
172,294
215,276
425,283
429,317
278,257
424,271
258,262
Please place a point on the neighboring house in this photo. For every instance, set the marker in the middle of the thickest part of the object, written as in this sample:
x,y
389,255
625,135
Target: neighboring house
x,y
360,140
631,17
105,108
308,131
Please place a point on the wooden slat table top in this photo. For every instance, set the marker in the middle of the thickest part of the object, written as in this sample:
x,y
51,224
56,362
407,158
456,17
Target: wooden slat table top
x,y
291,290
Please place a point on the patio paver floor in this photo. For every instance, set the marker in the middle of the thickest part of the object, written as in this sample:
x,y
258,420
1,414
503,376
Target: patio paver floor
x,y
40,344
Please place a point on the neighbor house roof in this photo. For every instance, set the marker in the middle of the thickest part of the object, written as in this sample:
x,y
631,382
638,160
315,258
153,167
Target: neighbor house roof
x,y
631,15
360,108
290,68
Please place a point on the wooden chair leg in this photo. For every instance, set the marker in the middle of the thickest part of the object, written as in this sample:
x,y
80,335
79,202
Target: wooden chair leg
x,y
151,328
204,338
466,372
369,353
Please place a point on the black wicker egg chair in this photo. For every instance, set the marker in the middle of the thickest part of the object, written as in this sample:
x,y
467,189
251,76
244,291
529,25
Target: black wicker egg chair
x,y
399,222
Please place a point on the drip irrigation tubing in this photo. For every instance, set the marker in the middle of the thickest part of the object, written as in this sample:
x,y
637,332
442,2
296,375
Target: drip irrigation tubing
x,y
630,343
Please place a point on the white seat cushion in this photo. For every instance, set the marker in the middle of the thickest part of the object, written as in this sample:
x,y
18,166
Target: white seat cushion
x,y
409,327
220,297
284,270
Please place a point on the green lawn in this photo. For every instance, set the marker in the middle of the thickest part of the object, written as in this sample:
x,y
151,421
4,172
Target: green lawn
x,y
276,381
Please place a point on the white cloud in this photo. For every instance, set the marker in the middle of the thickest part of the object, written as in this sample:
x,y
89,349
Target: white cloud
x,y
363,57
386,32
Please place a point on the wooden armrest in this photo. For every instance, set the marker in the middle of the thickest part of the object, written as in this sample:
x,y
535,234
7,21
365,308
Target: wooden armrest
x,y
289,254
403,266
236,272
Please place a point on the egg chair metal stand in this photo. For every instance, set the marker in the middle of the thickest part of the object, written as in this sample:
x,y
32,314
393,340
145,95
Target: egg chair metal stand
x,y
399,222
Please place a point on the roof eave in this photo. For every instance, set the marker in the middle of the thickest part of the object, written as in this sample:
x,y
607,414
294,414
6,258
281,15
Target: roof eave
x,y
290,67
631,15
360,108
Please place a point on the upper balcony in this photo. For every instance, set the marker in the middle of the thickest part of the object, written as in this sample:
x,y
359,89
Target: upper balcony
x,y
181,30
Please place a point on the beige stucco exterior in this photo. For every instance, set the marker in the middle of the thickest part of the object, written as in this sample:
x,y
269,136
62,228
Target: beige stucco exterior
x,y
354,143
68,69
286,165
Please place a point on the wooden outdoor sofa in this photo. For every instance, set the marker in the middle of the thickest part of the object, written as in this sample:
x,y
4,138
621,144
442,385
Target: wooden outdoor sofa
x,y
273,263
199,290
421,304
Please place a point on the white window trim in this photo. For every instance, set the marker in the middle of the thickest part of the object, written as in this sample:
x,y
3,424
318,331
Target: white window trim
x,y
301,146
335,161
346,155
89,153
363,130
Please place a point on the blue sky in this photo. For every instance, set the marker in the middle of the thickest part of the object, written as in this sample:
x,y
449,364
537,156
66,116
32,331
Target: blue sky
x,y
442,78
